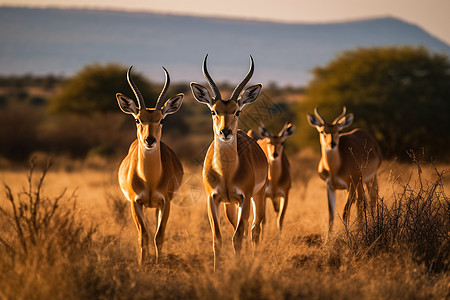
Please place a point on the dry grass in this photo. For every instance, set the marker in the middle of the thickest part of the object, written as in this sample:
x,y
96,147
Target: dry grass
x,y
96,256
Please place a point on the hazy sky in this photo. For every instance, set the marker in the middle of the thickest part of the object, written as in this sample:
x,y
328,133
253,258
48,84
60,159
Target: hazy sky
x,y
431,15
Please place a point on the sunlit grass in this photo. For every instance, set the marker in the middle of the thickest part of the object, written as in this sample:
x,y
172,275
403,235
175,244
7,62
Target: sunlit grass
x,y
96,258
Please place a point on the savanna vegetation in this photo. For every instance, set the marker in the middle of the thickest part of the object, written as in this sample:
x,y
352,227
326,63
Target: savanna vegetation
x,y
397,94
66,230
80,242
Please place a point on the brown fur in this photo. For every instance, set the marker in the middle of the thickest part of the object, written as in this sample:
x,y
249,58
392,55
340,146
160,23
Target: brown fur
x,y
234,176
235,168
279,177
150,180
348,161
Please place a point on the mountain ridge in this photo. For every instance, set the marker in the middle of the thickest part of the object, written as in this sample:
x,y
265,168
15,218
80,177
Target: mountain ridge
x,y
62,41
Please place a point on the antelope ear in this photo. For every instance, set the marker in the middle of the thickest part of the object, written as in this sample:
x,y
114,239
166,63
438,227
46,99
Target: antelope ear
x,y
345,121
250,95
201,94
263,132
313,121
288,131
172,105
127,105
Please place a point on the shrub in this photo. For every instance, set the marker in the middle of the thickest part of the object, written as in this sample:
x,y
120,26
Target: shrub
x,y
44,246
396,93
94,89
418,221
39,223
19,131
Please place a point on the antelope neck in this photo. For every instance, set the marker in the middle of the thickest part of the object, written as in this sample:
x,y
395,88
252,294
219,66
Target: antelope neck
x,y
331,159
149,162
275,168
226,158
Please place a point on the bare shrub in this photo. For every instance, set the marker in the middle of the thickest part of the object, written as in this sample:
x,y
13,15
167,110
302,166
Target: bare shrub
x,y
42,243
418,220
38,221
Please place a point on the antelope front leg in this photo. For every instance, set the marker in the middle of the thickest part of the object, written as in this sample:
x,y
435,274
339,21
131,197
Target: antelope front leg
x,y
282,212
259,211
351,195
231,212
137,211
162,215
263,224
240,228
214,222
331,194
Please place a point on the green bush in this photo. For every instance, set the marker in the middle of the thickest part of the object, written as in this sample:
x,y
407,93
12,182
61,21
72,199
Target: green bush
x,y
399,94
94,89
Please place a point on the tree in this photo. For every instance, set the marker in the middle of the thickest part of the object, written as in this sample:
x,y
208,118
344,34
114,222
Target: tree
x,y
94,89
399,94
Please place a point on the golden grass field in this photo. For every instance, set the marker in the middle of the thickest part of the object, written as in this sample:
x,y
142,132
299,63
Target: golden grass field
x,y
96,256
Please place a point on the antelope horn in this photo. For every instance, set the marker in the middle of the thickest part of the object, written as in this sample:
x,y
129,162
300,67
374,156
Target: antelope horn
x,y
211,82
316,112
241,85
344,111
136,91
160,101
283,129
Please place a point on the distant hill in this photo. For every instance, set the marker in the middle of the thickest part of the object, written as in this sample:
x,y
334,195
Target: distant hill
x,y
61,42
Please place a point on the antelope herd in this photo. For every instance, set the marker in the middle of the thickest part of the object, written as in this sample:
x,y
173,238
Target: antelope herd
x,y
240,170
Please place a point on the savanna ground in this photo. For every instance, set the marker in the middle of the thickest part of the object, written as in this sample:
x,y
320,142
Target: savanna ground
x,y
83,245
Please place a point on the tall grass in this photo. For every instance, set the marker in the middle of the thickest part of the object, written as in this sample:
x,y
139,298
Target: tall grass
x,y
41,236
52,249
37,221
417,220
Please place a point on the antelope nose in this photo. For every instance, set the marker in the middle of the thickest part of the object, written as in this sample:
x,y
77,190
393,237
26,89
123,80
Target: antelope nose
x,y
275,155
150,141
333,144
226,132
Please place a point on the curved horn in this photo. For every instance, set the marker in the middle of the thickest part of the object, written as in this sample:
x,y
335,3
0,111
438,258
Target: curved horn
x,y
344,111
241,85
136,91
283,129
211,82
160,101
316,112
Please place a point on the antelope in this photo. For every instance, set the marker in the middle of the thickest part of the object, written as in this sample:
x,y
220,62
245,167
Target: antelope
x,y
235,167
279,177
348,160
151,173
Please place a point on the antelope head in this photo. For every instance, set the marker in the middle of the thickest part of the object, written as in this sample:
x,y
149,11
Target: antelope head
x,y
276,141
329,133
225,113
149,121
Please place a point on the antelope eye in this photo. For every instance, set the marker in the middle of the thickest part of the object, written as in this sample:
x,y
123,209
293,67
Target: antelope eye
x,y
237,113
213,113
137,121
161,122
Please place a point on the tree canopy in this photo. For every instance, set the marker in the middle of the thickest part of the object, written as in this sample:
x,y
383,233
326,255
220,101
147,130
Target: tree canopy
x,y
399,94
94,89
